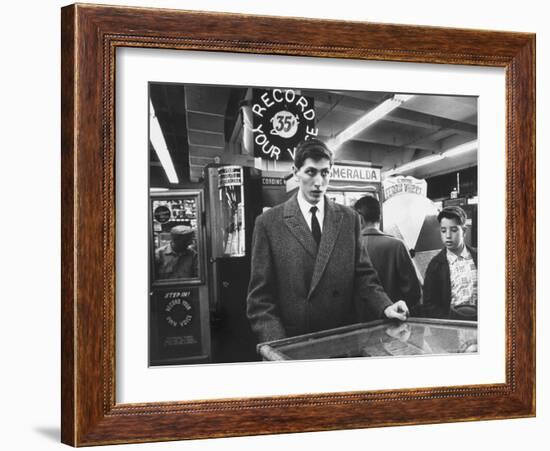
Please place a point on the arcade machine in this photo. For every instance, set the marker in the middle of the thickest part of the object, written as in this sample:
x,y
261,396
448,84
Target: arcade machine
x,y
179,330
380,338
233,203
410,215
349,181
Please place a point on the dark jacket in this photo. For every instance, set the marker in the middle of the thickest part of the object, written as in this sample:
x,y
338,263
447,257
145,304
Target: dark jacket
x,y
296,288
437,286
393,264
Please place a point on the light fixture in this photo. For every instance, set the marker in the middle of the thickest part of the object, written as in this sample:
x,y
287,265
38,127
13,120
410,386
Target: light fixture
x,y
415,164
368,119
159,144
453,152
461,149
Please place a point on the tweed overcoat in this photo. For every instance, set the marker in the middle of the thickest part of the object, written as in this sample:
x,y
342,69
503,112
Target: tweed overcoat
x,y
393,264
297,287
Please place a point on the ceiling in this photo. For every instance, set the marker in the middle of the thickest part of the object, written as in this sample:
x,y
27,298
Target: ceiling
x,y
198,122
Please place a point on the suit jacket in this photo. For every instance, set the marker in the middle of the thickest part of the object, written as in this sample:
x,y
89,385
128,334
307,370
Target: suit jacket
x,y
297,288
393,264
437,286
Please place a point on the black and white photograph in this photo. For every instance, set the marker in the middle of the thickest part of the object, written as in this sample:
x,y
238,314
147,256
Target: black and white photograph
x,y
288,223
182,296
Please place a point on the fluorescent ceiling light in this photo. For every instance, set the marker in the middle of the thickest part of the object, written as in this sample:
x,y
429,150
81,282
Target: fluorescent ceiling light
x,y
415,164
461,149
158,190
368,119
453,152
159,144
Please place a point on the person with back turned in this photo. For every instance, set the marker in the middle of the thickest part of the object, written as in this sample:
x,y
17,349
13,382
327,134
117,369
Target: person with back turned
x,y
309,269
388,254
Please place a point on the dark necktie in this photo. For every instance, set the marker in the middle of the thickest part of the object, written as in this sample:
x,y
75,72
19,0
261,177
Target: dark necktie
x,y
315,227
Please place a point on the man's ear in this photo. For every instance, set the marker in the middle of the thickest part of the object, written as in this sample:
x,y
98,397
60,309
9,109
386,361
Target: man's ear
x,y
294,171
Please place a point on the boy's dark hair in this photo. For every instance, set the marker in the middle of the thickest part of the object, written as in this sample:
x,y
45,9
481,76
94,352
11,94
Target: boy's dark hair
x,y
453,212
312,148
369,208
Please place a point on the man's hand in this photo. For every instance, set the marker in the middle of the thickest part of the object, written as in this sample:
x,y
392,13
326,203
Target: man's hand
x,y
402,332
398,310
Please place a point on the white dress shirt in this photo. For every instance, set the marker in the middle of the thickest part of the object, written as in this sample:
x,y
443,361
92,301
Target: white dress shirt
x,y
305,207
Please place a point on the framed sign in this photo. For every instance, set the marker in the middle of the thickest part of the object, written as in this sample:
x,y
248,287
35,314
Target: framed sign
x,y
95,409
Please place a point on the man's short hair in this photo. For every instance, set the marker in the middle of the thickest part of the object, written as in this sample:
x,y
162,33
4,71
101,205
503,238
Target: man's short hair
x,y
369,208
453,212
312,148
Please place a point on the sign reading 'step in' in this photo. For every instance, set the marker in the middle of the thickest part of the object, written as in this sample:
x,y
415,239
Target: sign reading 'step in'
x,y
282,118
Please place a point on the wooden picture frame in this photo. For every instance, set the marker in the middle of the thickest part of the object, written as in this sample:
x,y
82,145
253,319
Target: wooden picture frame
x,y
90,37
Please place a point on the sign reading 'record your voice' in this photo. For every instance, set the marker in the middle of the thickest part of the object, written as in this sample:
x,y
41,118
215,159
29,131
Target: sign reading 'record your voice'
x,y
281,120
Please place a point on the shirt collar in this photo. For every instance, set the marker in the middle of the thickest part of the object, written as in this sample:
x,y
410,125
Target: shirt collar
x,y
305,205
368,230
465,254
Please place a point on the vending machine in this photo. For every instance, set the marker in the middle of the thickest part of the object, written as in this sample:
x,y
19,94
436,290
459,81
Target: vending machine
x,y
179,327
233,202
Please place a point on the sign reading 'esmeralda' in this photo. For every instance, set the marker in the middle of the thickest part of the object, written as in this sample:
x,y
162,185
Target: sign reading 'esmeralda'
x,y
281,119
355,174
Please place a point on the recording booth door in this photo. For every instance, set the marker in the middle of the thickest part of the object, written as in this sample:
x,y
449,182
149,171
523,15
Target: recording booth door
x,y
179,319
